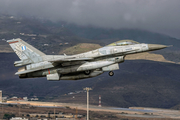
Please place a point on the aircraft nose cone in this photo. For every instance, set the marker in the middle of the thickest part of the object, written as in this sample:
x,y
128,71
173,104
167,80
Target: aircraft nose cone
x,y
156,46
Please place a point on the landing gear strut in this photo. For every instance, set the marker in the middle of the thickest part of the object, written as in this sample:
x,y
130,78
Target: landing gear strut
x,y
87,72
111,73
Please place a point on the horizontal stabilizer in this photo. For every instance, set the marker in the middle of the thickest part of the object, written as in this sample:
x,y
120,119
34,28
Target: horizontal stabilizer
x,y
26,71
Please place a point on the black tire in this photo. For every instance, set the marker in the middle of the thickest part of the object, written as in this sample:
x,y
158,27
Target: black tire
x,y
87,72
111,73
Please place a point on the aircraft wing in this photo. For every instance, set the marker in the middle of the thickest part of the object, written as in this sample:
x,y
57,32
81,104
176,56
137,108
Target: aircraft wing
x,y
55,61
70,60
31,70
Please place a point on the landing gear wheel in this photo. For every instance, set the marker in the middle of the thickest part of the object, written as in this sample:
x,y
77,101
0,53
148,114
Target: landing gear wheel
x,y
87,72
111,73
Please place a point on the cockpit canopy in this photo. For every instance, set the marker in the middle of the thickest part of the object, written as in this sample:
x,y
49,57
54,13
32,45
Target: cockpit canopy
x,y
123,43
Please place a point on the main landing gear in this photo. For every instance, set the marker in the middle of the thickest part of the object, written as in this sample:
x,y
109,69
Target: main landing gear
x,y
111,73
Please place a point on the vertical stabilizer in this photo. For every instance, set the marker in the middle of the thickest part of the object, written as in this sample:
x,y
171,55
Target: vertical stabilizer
x,y
25,51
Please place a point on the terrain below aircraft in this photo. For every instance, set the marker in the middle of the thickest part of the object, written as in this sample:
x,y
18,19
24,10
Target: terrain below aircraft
x,y
74,67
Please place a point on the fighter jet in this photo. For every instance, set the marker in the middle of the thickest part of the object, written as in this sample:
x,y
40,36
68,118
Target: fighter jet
x,y
80,66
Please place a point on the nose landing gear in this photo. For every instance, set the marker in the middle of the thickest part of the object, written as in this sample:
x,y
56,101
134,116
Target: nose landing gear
x,y
111,73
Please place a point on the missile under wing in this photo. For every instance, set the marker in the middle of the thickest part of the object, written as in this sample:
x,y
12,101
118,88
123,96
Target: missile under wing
x,y
80,66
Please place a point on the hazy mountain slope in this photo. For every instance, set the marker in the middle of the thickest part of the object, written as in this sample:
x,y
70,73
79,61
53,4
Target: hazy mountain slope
x,y
60,35
142,36
36,33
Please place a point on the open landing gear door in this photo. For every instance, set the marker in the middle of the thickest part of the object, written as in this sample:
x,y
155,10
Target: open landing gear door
x,y
111,67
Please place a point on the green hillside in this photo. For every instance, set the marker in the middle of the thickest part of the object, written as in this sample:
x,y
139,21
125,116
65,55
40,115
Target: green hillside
x,y
80,48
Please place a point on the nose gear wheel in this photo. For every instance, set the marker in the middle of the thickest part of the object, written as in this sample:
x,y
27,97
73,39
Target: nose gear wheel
x,y
111,73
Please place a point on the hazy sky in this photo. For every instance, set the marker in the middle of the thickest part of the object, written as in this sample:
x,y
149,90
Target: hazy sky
x,y
161,16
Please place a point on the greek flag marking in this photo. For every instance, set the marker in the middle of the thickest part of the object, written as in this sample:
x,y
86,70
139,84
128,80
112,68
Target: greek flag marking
x,y
23,48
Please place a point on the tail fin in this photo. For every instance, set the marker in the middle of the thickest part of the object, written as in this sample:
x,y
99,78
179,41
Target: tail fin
x,y
25,51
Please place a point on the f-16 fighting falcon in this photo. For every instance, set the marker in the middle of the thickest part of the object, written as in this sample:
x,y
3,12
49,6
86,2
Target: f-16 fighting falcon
x,y
74,67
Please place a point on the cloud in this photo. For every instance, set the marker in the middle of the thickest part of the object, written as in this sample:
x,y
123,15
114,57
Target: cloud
x,y
156,15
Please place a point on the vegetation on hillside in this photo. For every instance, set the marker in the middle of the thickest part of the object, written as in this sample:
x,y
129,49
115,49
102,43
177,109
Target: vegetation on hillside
x,y
80,48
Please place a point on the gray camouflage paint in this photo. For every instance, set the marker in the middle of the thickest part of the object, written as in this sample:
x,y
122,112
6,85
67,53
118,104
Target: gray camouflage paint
x,y
62,67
